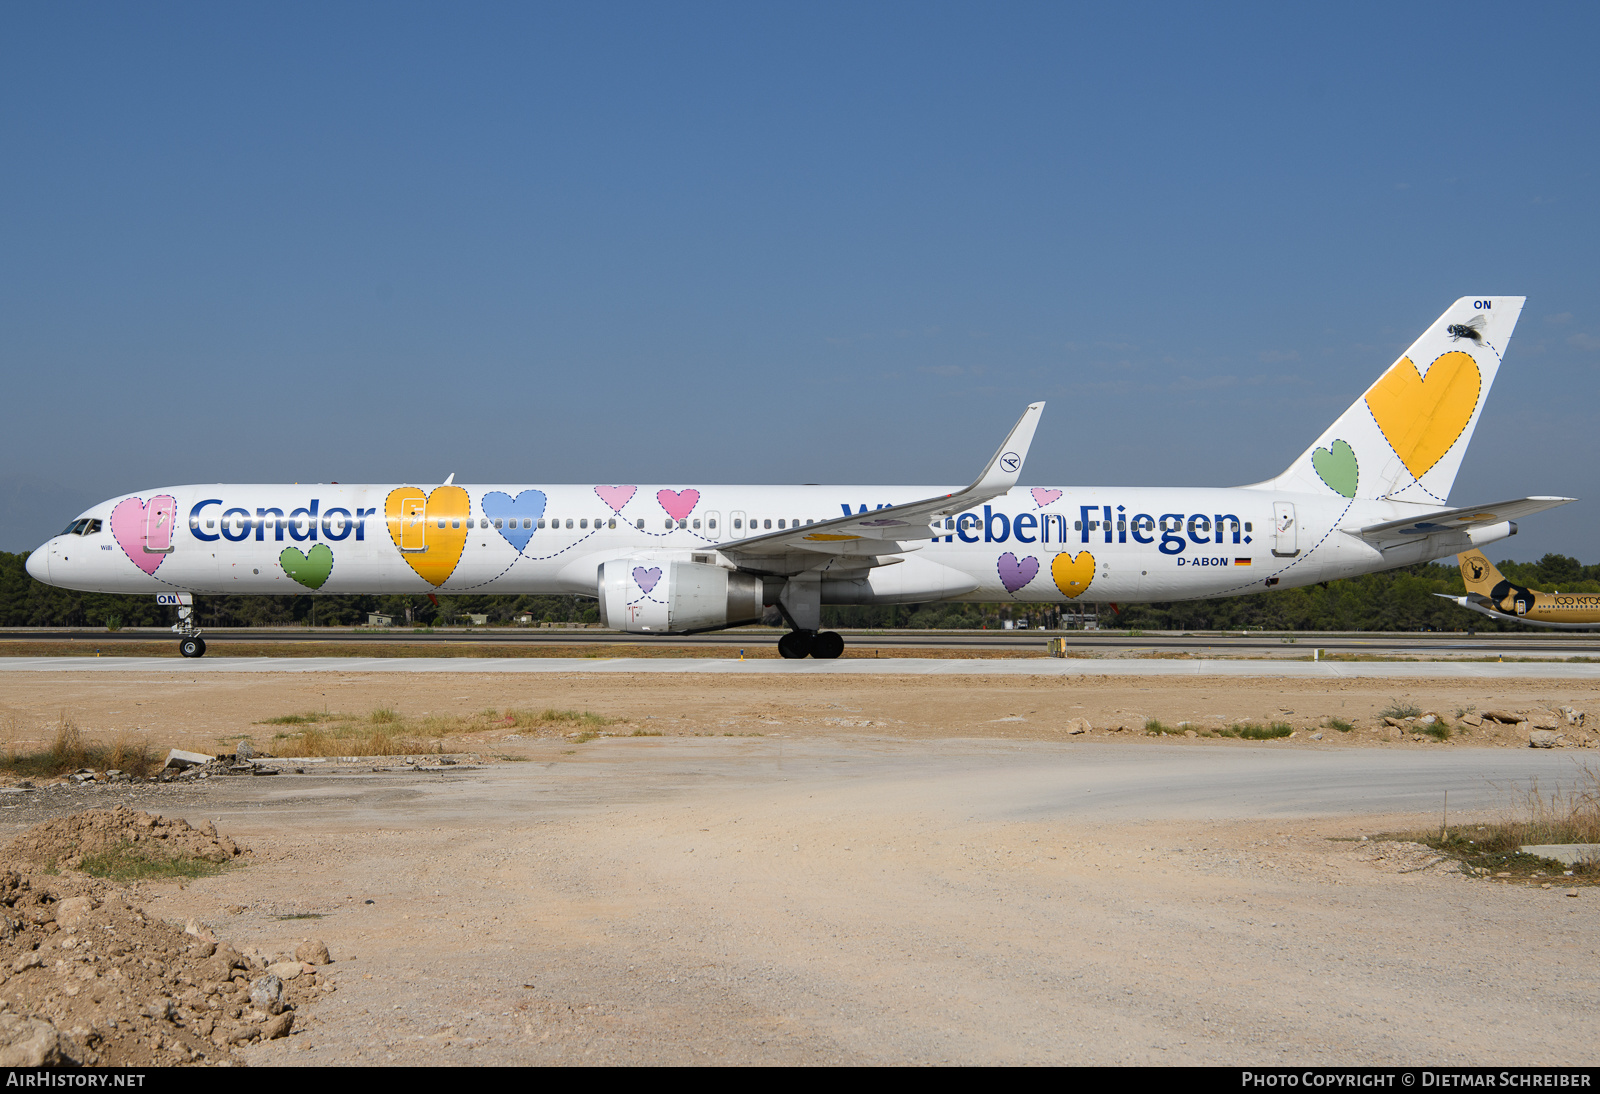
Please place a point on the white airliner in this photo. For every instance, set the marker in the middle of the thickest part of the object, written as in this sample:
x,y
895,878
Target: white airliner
x,y
1369,494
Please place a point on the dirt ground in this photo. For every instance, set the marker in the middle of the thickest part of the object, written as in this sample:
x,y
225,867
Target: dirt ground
x,y
209,711
869,870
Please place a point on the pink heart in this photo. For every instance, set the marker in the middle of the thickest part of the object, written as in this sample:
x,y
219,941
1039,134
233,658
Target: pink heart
x,y
646,579
1043,497
128,529
678,503
1013,574
616,496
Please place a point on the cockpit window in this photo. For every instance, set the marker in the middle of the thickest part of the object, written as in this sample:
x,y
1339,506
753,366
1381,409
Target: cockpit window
x,y
83,526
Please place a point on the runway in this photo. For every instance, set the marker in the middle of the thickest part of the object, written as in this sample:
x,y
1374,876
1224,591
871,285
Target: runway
x,y
859,666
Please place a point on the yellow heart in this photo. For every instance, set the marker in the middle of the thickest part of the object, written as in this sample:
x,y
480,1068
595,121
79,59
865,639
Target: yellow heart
x,y
430,529
1423,416
1072,576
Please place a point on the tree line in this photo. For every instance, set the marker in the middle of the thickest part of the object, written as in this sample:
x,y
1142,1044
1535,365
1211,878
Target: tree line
x,y
1395,600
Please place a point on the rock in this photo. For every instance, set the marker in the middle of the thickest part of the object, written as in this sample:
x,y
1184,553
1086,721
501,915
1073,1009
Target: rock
x,y
1428,720
1544,719
161,1008
200,931
178,758
313,952
244,751
29,960
1396,722
1572,892
28,1042
267,994
1472,718
277,1027
1075,726
284,970
1190,733
72,909
1503,716
1543,738
1316,736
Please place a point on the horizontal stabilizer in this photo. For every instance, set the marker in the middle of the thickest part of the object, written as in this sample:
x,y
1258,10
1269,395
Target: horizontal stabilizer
x,y
1456,520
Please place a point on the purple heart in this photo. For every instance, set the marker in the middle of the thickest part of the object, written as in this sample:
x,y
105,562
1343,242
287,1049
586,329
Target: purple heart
x,y
1013,574
646,579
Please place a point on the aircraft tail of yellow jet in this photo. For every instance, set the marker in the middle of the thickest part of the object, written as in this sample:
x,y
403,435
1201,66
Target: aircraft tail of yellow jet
x,y
1480,574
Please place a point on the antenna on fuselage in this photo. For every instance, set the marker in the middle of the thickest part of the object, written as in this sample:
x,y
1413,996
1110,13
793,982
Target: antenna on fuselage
x,y
450,478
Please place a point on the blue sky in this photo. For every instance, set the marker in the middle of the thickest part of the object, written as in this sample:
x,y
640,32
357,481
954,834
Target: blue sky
x,y
697,243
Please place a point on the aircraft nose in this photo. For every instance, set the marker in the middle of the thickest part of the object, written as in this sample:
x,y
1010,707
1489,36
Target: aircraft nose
x,y
38,564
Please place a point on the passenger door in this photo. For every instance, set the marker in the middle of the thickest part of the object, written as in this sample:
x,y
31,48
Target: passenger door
x,y
1285,530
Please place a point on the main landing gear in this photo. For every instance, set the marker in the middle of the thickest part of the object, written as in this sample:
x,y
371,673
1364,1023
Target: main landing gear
x,y
823,645
190,644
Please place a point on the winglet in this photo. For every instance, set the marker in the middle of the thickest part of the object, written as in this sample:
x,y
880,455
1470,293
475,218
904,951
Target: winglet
x,y
1005,467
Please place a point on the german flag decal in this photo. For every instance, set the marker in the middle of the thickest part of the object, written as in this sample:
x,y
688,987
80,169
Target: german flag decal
x,y
1241,562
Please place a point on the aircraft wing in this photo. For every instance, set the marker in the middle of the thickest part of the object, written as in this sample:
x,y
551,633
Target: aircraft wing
x,y
1394,532
884,530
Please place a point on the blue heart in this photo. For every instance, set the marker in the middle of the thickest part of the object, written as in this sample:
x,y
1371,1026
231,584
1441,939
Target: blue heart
x,y
509,514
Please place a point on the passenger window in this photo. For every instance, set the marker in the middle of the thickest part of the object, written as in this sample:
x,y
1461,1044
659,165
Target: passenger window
x,y
569,523
541,522
683,524
697,522
669,524
1077,526
640,525
612,523
780,522
527,522
499,522
1247,526
737,523
712,524
454,524
767,523
584,523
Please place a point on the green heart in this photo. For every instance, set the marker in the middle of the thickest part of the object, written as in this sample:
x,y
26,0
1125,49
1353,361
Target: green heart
x,y
1337,466
310,570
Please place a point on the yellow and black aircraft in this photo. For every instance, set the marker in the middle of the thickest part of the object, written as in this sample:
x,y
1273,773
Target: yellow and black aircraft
x,y
1490,594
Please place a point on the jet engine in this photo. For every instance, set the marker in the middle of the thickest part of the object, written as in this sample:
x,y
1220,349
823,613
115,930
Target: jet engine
x,y
656,596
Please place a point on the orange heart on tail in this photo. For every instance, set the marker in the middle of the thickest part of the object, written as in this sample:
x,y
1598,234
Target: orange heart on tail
x,y
429,529
1072,575
1422,417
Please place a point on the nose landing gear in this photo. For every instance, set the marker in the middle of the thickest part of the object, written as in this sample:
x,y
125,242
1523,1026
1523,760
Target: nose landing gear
x,y
190,644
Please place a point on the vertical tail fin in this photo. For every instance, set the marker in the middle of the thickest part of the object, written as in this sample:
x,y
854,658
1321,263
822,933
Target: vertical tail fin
x,y
1403,440
1479,573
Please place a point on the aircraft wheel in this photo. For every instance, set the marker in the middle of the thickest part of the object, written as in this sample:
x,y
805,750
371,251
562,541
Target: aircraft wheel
x,y
192,647
796,644
827,646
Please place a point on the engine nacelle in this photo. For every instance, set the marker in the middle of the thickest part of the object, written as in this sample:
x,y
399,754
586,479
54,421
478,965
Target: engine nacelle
x,y
656,596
